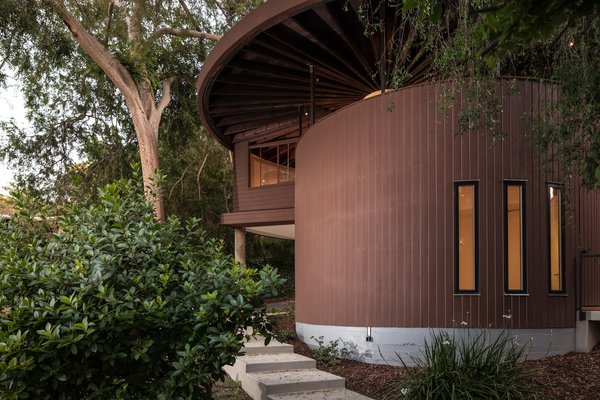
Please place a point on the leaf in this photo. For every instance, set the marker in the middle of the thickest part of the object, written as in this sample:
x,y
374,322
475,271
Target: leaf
x,y
436,14
409,5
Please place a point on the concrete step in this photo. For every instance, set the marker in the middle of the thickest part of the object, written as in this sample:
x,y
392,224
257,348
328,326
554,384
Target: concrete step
x,y
275,362
268,362
260,385
333,394
257,346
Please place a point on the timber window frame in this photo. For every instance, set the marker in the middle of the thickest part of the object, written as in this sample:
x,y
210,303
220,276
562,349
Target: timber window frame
x,y
522,241
279,170
458,270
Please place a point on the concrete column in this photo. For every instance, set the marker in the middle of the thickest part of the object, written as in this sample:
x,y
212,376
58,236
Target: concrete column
x,y
587,334
240,245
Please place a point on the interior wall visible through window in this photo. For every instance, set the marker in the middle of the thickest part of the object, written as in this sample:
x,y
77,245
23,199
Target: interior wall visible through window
x,y
514,237
556,238
466,236
273,163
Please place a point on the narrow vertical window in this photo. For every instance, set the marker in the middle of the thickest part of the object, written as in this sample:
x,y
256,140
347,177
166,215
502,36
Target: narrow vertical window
x,y
556,238
466,240
514,237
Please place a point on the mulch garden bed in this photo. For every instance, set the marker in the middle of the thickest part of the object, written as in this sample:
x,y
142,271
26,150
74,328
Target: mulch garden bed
x,y
573,376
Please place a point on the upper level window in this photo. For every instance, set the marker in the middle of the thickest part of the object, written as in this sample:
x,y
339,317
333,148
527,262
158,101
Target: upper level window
x,y
556,240
272,163
466,240
514,236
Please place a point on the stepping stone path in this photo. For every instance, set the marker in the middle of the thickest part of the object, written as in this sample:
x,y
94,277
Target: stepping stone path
x,y
274,372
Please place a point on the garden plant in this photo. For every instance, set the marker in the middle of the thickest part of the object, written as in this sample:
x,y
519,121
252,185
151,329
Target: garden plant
x,y
105,302
467,364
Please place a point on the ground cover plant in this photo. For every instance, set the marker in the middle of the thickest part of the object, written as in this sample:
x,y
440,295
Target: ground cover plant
x,y
107,303
329,353
467,365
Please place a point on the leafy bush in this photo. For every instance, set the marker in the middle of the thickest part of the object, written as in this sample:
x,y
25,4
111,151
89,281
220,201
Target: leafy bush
x,y
330,353
106,303
471,366
283,335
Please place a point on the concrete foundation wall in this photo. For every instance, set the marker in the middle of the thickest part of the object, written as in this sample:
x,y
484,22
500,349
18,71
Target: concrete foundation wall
x,y
389,343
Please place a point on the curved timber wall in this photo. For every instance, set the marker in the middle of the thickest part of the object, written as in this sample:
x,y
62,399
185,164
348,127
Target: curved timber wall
x,y
375,216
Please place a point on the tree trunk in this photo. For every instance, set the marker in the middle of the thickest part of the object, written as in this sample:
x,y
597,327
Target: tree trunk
x,y
139,96
147,136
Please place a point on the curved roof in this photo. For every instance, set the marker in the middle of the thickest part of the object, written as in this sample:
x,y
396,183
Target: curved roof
x,y
255,84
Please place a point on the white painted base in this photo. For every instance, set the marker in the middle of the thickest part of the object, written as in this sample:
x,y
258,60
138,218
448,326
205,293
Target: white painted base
x,y
390,343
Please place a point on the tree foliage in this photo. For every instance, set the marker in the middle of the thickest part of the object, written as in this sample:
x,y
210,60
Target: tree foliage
x,y
474,42
106,303
84,131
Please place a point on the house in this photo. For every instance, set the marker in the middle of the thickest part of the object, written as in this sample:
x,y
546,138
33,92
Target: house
x,y
401,225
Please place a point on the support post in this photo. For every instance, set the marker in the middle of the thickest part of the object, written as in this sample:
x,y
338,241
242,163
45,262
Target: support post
x,y
240,245
382,44
312,94
582,315
300,118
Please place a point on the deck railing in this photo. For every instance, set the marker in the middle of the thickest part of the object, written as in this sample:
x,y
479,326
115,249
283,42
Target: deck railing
x,y
589,284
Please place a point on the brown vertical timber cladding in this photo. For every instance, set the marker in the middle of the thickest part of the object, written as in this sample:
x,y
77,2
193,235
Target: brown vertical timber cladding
x,y
587,216
246,198
375,216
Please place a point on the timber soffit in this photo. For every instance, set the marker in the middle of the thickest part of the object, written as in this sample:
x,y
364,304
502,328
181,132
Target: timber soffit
x,y
255,84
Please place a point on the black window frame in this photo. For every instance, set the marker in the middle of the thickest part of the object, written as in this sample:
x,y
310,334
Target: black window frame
x,y
505,185
562,258
457,185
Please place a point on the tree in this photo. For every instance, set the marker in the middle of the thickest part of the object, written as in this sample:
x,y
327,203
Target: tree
x,y
140,47
567,32
507,24
474,42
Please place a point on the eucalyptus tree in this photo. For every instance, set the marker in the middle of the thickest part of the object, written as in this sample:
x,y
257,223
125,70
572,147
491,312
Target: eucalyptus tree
x,y
98,76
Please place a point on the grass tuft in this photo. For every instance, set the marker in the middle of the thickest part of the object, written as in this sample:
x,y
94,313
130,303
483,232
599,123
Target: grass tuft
x,y
469,365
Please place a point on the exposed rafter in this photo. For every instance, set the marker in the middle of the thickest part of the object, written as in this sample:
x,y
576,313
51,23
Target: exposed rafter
x,y
253,87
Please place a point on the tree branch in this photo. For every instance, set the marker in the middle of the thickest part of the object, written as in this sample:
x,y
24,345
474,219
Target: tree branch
x,y
166,96
199,174
178,180
187,12
115,71
226,198
492,9
8,50
182,33
134,22
110,14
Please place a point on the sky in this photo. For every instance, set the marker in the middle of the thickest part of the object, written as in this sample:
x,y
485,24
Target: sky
x,y
11,106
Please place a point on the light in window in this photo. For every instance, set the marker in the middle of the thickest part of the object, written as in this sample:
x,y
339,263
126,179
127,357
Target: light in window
x,y
556,231
466,237
271,164
514,236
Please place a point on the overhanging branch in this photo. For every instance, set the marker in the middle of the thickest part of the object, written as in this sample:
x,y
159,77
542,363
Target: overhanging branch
x,y
182,33
166,96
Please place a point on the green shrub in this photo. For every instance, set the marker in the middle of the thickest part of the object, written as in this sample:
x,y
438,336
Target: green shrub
x,y
106,303
470,366
330,353
283,335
